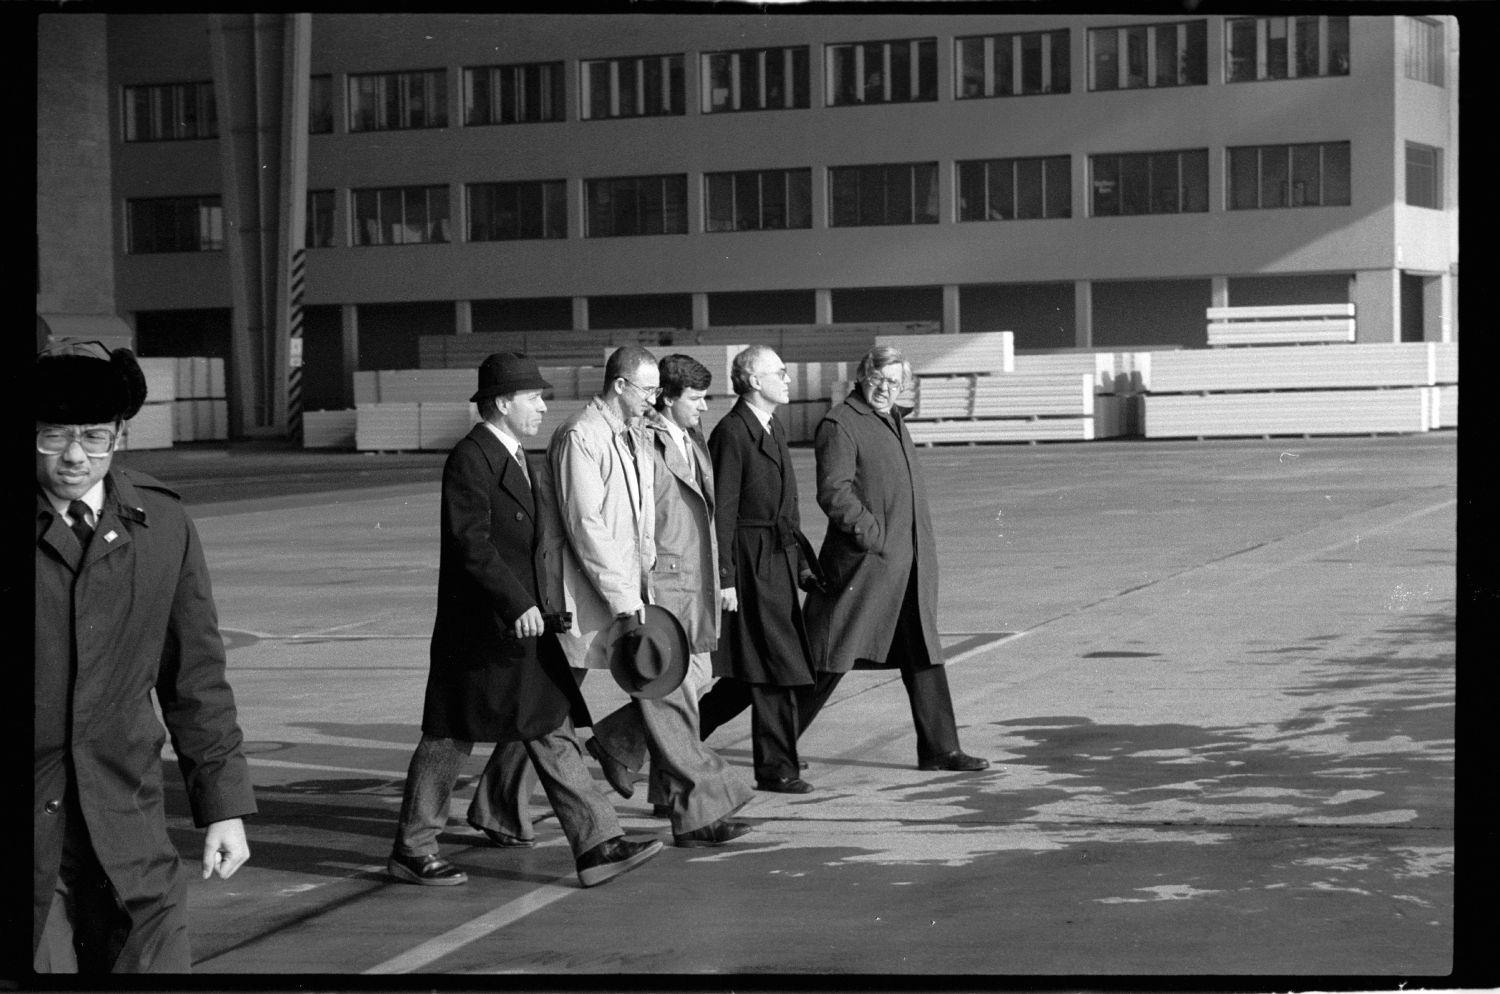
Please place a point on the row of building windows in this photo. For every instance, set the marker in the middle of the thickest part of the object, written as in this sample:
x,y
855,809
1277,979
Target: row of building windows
x,y
1172,53
1124,184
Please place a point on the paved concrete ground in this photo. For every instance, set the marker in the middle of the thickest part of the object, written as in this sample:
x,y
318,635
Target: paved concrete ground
x,y
1217,681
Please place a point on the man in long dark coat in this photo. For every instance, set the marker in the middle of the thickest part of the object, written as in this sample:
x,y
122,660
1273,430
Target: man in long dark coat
x,y
123,611
879,559
763,653
497,674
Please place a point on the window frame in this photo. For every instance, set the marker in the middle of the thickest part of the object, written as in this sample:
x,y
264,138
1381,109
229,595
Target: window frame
x,y
1424,58
320,104
165,111
672,100
1334,58
641,199
440,226
796,79
738,179
208,223
319,219
551,206
1137,167
1432,171
1234,194
888,190
921,72
393,92
987,186
1014,45
1189,38
507,85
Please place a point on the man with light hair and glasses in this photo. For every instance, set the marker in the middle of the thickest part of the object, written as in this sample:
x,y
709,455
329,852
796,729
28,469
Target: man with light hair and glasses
x,y
599,548
124,612
879,607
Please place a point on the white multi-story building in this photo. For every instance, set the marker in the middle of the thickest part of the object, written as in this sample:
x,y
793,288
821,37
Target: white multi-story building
x,y
1081,180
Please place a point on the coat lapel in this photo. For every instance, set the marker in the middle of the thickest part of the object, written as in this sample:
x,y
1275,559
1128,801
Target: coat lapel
x,y
508,475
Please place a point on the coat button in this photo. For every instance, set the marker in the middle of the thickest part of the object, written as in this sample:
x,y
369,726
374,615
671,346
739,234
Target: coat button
x,y
52,807
519,516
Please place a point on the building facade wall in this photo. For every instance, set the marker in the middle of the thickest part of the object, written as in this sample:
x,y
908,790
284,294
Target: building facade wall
x,y
1373,108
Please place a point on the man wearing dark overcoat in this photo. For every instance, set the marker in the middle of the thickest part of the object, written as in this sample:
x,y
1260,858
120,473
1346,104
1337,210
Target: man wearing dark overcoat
x,y
496,674
879,559
761,565
124,610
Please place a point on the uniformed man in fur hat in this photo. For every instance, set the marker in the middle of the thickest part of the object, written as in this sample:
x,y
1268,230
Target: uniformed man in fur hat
x,y
123,613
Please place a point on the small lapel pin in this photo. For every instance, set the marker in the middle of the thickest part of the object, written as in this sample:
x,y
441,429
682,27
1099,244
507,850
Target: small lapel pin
x,y
111,536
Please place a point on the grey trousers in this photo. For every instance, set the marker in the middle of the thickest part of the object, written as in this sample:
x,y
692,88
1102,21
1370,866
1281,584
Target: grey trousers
x,y
586,817
701,786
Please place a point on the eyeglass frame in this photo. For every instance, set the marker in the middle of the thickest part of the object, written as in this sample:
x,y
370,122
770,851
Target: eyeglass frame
x,y
874,379
75,433
650,393
782,372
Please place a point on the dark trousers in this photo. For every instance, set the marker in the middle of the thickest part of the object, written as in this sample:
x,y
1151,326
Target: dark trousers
x,y
926,684
776,720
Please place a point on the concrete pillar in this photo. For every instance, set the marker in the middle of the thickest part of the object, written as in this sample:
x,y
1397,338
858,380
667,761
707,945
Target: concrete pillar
x,y
580,313
700,311
951,318
1083,314
463,317
822,306
348,347
1218,291
1377,305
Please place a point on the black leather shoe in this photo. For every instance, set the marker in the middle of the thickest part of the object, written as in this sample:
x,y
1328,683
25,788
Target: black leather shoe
x,y
617,773
785,785
957,761
613,857
431,870
504,841
714,834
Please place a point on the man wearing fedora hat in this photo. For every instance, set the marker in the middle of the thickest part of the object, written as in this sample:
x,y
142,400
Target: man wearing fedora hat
x,y
496,674
601,551
123,612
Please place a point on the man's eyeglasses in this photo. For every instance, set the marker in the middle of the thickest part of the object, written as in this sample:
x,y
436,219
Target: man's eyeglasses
x,y
650,393
876,382
777,372
52,441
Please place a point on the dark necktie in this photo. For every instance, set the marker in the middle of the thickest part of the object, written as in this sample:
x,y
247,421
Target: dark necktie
x,y
79,512
521,461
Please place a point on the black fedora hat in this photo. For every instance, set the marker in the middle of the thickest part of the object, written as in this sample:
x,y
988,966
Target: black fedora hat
x,y
648,660
86,383
507,372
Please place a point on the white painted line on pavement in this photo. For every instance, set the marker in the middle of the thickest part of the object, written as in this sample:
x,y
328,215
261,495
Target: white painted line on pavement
x,y
472,931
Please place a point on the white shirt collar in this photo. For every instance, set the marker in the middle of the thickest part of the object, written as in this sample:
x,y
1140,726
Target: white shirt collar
x,y
511,445
93,497
763,416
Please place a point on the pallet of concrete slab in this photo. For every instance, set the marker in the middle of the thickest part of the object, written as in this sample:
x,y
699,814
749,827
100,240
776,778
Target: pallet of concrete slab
x,y
970,352
1442,409
839,342
1289,324
411,386
1111,372
328,429
1445,355
1005,395
151,428
554,348
200,420
977,430
1294,367
1390,410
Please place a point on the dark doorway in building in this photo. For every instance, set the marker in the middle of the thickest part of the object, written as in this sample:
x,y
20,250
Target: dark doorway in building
x,y
324,386
641,310
1142,313
1413,327
184,333
762,307
1039,315
522,314
888,303
1278,291
389,333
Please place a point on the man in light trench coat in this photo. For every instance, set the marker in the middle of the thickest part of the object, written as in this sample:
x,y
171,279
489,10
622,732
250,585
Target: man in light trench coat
x,y
598,565
879,558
